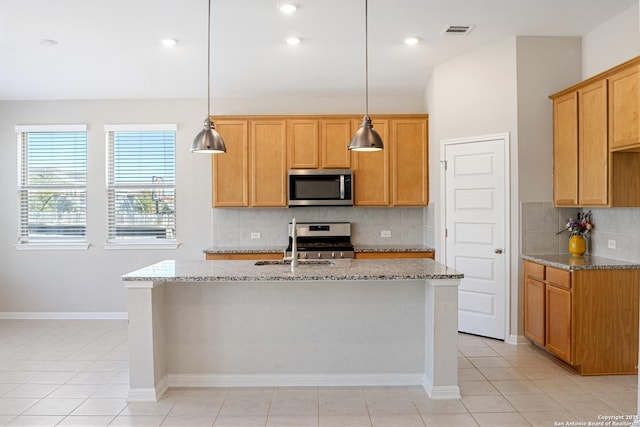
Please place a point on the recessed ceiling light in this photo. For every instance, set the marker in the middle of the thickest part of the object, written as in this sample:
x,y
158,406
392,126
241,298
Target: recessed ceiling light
x,y
48,42
169,42
288,8
411,41
292,41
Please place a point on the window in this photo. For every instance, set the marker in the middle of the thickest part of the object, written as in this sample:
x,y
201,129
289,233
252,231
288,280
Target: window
x,y
52,184
141,184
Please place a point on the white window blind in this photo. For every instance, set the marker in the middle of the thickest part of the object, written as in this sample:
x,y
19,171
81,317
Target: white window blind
x,y
52,184
141,183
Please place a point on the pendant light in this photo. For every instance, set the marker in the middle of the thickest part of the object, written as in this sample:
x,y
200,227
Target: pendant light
x,y
208,140
366,138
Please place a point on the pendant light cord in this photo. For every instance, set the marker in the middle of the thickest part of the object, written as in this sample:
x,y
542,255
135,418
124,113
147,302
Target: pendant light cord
x,y
366,58
209,62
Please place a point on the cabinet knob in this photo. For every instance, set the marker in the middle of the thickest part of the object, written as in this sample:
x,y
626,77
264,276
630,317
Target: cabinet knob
x,y
497,250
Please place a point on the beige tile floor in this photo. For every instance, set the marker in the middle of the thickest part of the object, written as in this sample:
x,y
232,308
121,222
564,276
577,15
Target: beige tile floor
x,y
74,373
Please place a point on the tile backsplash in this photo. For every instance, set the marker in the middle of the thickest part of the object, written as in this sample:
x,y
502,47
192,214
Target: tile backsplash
x,y
541,221
233,227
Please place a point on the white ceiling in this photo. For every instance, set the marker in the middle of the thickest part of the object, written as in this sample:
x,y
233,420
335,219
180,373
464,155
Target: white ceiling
x,y
111,48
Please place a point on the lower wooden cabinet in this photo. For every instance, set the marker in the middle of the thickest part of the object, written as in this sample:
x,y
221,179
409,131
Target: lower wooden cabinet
x,y
587,318
387,255
558,322
534,321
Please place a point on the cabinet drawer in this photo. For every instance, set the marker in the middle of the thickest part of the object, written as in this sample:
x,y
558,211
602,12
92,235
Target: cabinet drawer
x,y
534,270
559,278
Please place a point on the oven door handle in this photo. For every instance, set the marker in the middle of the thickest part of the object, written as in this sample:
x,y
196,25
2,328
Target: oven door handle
x,y
341,187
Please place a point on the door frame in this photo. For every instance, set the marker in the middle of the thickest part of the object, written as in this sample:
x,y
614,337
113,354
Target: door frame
x,y
505,137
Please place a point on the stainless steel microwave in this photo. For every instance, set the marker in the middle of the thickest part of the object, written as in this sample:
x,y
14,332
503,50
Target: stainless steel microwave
x,y
320,187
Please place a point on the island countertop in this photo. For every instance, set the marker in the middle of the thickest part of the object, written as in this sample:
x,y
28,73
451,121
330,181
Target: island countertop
x,y
587,262
280,249
269,271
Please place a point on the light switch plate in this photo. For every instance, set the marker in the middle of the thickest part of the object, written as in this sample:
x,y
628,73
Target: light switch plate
x,y
385,233
255,235
611,244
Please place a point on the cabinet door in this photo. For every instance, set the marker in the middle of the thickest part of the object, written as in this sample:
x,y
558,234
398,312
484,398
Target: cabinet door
x,y
558,322
409,162
268,163
335,136
624,108
303,139
593,152
371,170
565,150
394,255
230,170
534,310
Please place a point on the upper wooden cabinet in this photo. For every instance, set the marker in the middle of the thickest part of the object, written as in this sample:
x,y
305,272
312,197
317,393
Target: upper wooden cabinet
x,y
268,166
397,175
624,107
593,152
596,135
303,142
409,148
372,171
261,149
565,149
335,136
230,170
254,164
319,143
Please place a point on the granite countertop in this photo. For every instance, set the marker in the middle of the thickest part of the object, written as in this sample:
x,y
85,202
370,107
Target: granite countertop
x,y
329,270
246,250
587,262
280,249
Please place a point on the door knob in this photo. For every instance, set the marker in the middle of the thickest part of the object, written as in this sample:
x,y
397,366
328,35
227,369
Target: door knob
x,y
497,250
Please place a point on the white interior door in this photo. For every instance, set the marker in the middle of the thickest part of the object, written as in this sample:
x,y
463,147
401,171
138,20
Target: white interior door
x,y
476,195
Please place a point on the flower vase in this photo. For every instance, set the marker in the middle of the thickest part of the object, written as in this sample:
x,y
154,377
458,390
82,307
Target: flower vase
x,y
577,245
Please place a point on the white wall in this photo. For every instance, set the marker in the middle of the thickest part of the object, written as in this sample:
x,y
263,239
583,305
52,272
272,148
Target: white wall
x,y
89,281
33,282
545,65
504,87
612,43
474,94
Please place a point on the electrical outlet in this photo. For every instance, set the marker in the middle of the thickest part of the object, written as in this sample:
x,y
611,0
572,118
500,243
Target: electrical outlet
x,y
611,244
385,233
255,235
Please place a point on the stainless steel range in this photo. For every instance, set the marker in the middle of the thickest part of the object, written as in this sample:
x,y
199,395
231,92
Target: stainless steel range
x,y
322,240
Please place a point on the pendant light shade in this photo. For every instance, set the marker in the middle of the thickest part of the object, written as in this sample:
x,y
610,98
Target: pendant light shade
x,y
208,140
366,138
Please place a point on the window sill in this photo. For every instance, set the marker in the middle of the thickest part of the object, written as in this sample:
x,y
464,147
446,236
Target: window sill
x,y
115,246
55,246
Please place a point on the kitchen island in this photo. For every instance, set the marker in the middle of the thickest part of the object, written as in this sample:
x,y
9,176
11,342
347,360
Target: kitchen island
x,y
327,323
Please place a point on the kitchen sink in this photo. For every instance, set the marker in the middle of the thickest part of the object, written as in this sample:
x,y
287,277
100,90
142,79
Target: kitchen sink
x,y
300,262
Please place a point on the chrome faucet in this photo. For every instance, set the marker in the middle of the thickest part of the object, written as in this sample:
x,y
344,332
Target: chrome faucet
x,y
294,245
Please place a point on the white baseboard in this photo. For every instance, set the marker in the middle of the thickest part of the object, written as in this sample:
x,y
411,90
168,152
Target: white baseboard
x,y
58,315
441,392
275,380
148,394
518,340
310,380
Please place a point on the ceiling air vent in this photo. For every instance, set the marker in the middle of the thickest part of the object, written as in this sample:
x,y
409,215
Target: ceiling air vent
x,y
459,30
